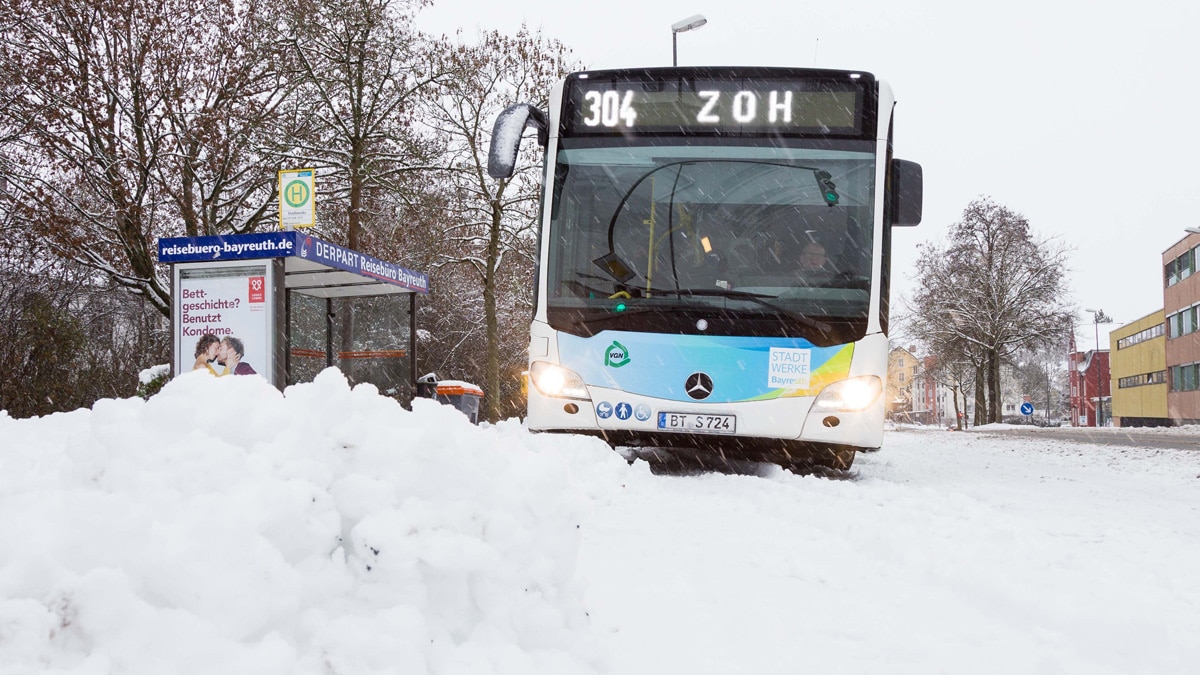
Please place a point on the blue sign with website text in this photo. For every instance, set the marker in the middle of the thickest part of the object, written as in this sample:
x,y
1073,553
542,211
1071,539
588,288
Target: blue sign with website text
x,y
230,247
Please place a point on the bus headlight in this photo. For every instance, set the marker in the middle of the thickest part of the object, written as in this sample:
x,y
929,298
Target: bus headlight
x,y
853,394
552,380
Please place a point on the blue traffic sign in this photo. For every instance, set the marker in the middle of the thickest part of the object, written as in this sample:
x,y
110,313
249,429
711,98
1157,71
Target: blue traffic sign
x,y
1027,408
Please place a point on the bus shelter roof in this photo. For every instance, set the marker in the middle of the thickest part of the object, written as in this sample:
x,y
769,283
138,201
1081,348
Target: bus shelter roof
x,y
312,266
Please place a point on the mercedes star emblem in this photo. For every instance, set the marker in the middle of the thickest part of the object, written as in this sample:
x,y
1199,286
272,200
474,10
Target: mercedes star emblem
x,y
699,386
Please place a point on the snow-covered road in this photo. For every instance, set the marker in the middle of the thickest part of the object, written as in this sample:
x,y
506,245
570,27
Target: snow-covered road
x,y
947,553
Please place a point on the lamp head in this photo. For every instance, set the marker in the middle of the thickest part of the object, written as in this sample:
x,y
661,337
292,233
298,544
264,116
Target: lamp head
x,y
690,23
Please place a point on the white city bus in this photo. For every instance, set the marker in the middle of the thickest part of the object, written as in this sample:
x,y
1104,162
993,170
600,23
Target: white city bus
x,y
682,303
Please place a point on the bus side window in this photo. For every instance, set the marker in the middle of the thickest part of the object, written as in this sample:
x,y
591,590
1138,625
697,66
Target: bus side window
x,y
856,251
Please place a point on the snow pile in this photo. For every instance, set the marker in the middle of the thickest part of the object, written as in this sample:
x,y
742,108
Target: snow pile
x,y
154,372
223,527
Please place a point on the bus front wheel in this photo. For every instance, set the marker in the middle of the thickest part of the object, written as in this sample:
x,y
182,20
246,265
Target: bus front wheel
x,y
820,460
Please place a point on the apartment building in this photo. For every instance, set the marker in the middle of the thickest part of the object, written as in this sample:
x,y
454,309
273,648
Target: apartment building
x,y
1139,376
1181,309
902,364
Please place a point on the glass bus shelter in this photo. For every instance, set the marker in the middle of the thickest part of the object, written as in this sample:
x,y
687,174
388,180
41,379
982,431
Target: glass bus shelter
x,y
295,305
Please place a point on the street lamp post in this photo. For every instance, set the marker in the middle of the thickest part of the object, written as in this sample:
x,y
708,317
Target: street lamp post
x,y
690,23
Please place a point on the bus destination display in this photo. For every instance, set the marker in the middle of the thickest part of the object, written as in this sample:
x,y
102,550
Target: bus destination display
x,y
611,106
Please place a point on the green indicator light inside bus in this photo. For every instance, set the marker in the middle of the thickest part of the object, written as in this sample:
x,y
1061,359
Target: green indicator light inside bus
x,y
620,307
828,187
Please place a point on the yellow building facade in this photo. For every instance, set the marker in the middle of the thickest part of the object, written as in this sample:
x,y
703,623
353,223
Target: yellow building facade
x,y
1138,369
902,365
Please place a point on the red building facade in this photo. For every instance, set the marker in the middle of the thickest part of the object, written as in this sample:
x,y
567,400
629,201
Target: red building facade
x,y
1181,307
1091,395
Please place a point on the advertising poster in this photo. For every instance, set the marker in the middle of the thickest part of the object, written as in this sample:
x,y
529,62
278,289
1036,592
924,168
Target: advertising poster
x,y
223,318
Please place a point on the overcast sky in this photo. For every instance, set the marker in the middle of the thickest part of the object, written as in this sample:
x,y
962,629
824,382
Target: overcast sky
x,y
1076,114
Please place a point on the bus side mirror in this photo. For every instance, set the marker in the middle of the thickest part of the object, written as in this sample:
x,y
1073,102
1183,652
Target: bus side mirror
x,y
506,137
907,193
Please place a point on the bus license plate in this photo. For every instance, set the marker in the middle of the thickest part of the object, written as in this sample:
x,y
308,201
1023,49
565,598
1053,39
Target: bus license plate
x,y
703,424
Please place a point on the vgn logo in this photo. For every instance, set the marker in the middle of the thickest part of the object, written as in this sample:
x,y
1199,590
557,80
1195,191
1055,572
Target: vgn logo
x,y
616,355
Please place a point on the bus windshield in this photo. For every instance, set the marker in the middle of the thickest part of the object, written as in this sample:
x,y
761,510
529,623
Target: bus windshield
x,y
686,235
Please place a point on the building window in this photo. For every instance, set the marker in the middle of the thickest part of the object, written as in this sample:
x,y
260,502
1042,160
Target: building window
x,y
1183,322
1185,377
1157,330
1180,268
1157,377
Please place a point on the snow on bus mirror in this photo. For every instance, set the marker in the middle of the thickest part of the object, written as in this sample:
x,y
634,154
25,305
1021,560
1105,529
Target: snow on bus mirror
x,y
614,267
506,137
907,193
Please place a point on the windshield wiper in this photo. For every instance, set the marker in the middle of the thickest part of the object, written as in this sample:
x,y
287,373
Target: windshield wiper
x,y
758,299
618,269
616,316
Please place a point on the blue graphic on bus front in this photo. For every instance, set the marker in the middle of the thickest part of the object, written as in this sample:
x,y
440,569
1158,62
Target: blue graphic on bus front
x,y
740,367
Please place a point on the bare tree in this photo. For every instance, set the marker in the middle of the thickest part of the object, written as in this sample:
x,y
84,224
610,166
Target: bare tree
x,y
66,340
129,118
990,289
364,67
1042,377
959,370
492,224
229,87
